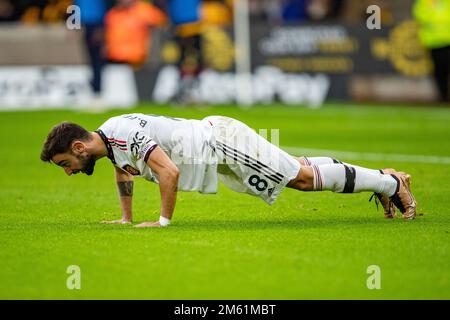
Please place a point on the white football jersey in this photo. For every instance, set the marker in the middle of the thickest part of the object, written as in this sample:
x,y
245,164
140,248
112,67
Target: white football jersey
x,y
131,138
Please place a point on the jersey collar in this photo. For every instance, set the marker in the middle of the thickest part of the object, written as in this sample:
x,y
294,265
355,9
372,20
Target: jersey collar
x,y
107,144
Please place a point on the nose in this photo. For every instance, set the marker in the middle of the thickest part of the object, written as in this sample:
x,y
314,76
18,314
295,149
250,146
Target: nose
x,y
68,171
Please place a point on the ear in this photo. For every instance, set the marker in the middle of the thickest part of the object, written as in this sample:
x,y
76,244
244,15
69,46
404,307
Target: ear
x,y
78,147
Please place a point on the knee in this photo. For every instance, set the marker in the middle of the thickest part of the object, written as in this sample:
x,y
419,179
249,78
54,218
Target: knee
x,y
303,185
304,180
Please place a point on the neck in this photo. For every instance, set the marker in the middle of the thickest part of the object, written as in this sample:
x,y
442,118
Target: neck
x,y
97,147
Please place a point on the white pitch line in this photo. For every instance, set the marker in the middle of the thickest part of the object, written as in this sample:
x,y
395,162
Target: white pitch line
x,y
367,155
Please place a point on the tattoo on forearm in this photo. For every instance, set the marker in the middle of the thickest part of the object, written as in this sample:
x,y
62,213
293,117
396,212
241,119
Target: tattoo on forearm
x,y
125,188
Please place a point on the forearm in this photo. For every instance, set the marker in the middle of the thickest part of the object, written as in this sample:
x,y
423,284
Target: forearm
x,y
125,185
168,188
126,199
168,174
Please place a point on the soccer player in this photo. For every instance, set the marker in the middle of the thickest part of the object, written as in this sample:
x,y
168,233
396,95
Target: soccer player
x,y
191,155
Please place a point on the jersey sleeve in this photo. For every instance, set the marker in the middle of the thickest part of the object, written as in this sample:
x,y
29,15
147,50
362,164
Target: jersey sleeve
x,y
140,145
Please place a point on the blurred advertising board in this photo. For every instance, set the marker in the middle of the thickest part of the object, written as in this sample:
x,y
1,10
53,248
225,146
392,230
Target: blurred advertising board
x,y
42,87
303,64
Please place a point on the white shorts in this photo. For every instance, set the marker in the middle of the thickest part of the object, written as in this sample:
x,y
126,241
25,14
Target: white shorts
x,y
249,163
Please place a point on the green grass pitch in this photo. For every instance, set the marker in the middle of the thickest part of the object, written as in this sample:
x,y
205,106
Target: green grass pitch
x,y
229,245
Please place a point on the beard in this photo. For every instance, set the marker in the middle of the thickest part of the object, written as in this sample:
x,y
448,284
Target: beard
x,y
87,164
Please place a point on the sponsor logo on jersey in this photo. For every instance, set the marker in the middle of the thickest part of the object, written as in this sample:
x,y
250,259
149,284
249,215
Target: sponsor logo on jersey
x,y
131,170
136,144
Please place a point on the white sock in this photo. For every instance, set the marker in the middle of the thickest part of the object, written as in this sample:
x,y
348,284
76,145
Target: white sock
x,y
309,161
350,179
327,160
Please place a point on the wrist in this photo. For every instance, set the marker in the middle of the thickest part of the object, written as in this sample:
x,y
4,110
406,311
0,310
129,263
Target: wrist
x,y
163,221
127,218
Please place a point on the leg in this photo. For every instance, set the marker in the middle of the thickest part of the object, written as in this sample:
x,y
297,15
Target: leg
x,y
342,178
187,66
94,43
304,180
334,175
330,174
308,161
441,63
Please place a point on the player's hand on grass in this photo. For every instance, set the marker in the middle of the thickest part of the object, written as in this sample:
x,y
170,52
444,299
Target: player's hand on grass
x,y
148,224
120,221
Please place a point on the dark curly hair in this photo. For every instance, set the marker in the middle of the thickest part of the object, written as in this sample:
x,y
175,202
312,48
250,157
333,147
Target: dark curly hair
x,y
60,139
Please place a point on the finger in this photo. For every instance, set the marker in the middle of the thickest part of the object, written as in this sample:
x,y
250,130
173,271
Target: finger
x,y
144,225
111,222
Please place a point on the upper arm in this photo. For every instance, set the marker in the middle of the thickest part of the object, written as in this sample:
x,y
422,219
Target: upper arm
x,y
142,146
159,162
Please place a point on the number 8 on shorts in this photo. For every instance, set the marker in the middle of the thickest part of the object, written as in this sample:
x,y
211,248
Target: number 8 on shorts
x,y
258,183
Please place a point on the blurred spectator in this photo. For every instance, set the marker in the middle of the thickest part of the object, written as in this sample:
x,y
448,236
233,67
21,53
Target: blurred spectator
x,y
216,12
336,8
264,10
38,11
294,10
128,31
324,9
185,16
318,9
434,20
7,11
92,16
189,19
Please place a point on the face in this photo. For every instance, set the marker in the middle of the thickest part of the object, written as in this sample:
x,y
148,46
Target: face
x,y
78,160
